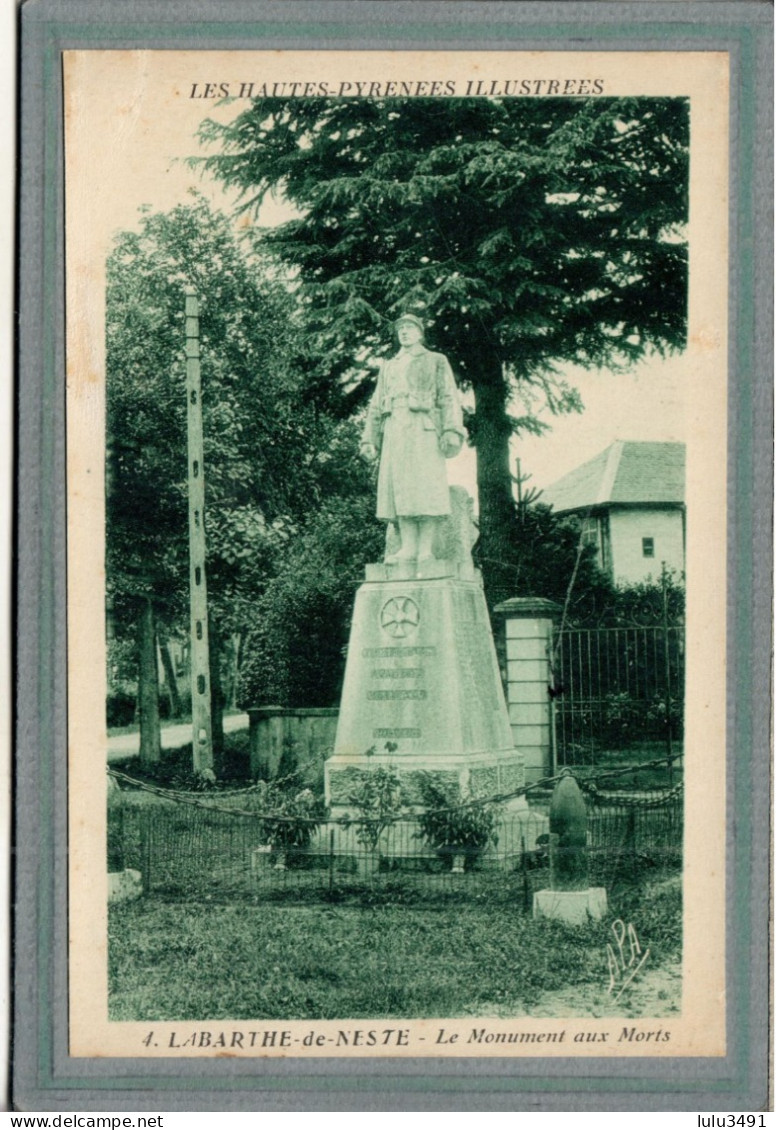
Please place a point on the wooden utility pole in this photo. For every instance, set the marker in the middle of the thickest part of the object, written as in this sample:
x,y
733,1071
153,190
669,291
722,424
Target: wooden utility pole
x,y
201,719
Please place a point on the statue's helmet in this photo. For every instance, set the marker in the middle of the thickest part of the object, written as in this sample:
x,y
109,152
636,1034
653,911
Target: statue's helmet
x,y
410,319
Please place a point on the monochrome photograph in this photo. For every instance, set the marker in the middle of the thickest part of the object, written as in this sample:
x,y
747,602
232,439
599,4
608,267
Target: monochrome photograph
x,y
397,412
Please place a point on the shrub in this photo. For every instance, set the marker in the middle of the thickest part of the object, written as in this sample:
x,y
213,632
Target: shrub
x,y
289,815
378,798
294,654
449,824
623,719
120,708
175,770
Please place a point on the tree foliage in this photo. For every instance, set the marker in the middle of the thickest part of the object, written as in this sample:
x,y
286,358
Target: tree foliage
x,y
267,446
270,452
551,561
533,233
295,651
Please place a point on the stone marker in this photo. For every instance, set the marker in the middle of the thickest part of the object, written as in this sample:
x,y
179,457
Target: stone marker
x,y
570,896
422,687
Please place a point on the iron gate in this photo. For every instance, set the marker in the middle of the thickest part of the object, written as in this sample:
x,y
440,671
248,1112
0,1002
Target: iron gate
x,y
618,691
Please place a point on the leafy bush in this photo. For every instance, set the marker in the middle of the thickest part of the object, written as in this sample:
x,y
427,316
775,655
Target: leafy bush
x,y
659,716
289,816
295,653
378,798
623,718
120,708
175,771
448,823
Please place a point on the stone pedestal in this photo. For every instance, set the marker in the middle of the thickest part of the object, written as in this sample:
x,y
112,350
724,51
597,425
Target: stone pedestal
x,y
528,624
422,689
574,907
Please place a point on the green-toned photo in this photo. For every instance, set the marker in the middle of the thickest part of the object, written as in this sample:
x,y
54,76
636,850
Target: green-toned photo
x,y
405,493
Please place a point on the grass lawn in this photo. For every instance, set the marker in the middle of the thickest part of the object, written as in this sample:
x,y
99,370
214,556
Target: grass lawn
x,y
183,961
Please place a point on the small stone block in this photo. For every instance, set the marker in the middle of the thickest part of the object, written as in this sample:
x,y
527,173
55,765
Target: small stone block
x,y
575,907
532,647
484,782
435,568
528,629
511,777
530,713
530,694
260,858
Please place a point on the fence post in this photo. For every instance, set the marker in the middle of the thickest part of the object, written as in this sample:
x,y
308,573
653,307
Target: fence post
x,y
526,880
528,626
630,840
667,663
331,859
145,849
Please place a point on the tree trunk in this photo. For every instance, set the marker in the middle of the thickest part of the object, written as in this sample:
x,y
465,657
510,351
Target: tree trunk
x,y
216,696
497,542
170,680
148,687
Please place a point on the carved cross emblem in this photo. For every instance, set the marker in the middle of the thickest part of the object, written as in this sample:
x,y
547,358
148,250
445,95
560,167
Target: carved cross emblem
x,y
399,616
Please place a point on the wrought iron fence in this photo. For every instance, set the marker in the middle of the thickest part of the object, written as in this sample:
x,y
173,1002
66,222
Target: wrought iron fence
x,y
618,691
203,853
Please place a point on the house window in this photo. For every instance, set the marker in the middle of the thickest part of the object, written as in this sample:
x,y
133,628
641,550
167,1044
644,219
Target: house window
x,y
590,532
648,547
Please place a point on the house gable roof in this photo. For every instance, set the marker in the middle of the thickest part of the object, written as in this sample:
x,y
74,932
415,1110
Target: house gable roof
x,y
627,472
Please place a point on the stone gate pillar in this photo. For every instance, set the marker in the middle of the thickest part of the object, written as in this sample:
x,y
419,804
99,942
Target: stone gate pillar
x,y
528,623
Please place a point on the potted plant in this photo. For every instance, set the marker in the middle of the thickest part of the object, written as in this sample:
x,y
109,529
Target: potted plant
x,y
289,817
458,827
378,798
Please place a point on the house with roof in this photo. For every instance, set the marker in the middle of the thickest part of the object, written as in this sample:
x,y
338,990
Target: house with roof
x,y
630,501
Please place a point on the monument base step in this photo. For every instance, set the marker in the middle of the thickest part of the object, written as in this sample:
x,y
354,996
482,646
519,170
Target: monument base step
x,y
428,569
486,774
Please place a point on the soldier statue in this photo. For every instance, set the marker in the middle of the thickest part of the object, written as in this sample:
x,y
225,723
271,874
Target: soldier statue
x,y
413,424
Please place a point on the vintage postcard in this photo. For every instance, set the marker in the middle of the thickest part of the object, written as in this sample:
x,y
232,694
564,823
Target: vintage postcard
x,y
369,849
398,417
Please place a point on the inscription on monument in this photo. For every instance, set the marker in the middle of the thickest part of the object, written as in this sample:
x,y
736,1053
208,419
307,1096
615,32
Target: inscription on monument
x,y
397,732
397,652
393,696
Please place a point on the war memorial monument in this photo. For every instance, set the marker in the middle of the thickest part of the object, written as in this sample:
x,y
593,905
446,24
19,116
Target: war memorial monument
x,y
422,689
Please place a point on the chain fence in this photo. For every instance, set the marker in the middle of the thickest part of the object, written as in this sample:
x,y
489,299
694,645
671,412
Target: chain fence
x,y
215,848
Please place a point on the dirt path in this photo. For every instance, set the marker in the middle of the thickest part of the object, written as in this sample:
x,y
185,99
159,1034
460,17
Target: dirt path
x,y
654,992
125,745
